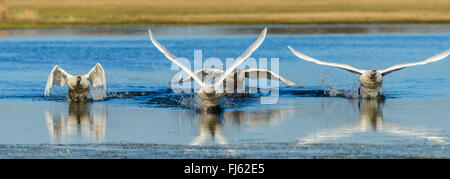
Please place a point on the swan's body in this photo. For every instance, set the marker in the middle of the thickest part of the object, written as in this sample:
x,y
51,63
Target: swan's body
x,y
234,82
371,80
210,95
371,84
210,99
79,86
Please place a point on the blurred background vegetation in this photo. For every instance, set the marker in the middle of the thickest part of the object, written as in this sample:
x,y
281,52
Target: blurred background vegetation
x,y
2,10
87,13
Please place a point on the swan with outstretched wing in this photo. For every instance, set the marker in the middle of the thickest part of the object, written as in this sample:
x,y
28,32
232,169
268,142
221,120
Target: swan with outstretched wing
x,y
210,95
371,80
79,86
236,79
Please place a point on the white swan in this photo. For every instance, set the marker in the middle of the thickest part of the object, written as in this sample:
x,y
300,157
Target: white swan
x,y
210,95
79,86
371,80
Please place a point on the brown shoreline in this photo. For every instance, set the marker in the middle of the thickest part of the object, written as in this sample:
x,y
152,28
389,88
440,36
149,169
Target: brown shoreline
x,y
25,14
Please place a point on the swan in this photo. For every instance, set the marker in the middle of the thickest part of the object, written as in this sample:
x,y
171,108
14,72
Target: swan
x,y
79,86
371,80
210,95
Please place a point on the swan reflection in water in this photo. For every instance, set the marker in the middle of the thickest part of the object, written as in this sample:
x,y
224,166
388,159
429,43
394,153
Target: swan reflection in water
x,y
210,125
84,122
370,114
209,128
370,118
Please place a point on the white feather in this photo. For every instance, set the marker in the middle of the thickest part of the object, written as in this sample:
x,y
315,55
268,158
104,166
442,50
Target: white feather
x,y
173,58
238,61
343,66
270,75
97,77
56,77
435,58
243,57
206,74
249,73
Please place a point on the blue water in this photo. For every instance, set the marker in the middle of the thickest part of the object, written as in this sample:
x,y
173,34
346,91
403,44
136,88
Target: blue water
x,y
133,64
141,108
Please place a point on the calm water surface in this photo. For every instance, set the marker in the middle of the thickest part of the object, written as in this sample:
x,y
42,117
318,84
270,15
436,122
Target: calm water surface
x,y
141,107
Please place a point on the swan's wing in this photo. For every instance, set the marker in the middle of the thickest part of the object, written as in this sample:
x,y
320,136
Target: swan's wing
x,y
429,60
173,58
270,75
56,77
343,66
209,73
244,56
97,77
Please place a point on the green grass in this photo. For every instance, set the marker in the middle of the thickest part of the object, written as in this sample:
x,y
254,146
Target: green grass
x,y
86,13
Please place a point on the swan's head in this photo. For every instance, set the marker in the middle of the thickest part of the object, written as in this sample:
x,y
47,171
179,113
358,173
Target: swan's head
x,y
373,73
78,80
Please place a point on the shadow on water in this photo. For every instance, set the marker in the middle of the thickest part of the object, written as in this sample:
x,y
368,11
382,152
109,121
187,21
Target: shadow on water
x,y
370,119
82,122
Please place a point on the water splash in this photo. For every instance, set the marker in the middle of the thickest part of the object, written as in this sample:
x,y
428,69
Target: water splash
x,y
189,101
128,94
229,103
97,94
329,90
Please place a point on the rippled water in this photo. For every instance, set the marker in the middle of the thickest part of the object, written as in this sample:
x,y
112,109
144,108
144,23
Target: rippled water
x,y
141,107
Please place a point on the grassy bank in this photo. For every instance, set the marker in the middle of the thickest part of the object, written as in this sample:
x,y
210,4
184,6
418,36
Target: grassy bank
x,y
82,13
